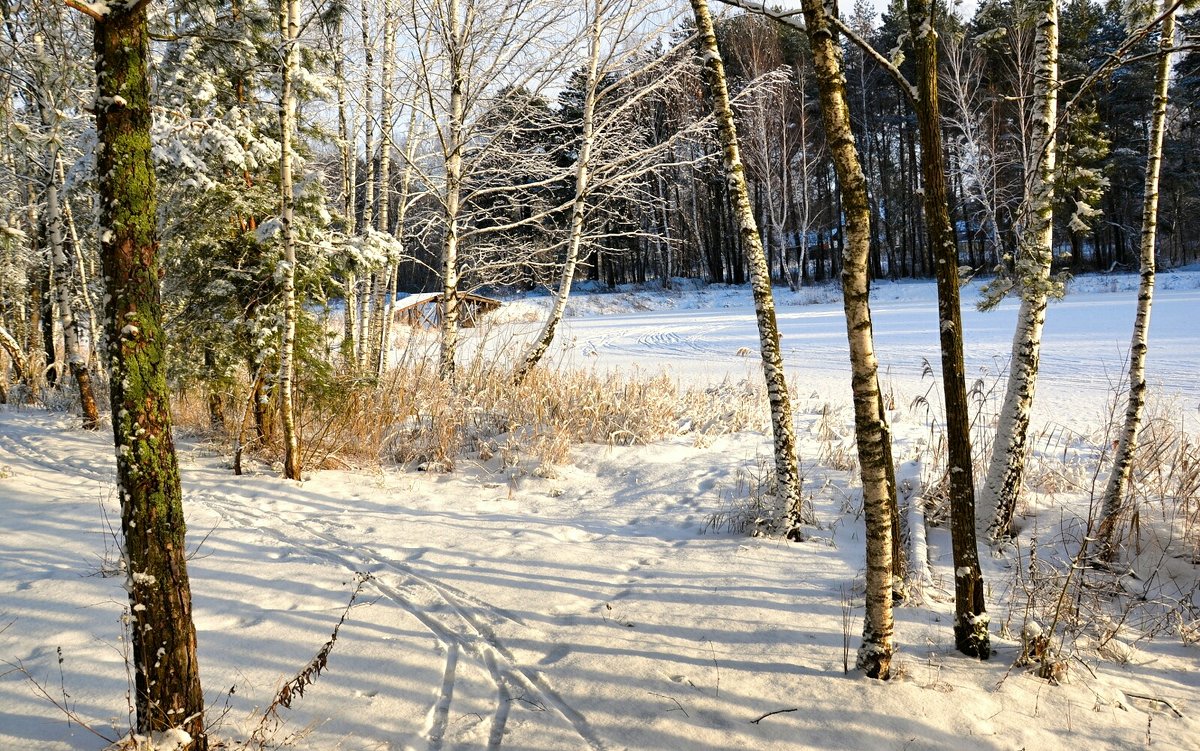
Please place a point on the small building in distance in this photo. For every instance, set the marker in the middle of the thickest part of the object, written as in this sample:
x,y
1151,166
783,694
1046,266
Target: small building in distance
x,y
424,309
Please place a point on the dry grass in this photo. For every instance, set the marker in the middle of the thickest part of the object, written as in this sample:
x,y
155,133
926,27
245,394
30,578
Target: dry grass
x,y
412,417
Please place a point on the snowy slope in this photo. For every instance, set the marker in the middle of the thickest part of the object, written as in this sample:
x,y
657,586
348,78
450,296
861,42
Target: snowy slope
x,y
595,609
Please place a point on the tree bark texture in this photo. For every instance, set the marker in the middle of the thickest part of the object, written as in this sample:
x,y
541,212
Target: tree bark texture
x,y
786,465
10,345
364,297
1006,471
1117,487
871,432
289,26
453,195
166,673
70,330
385,276
970,613
348,146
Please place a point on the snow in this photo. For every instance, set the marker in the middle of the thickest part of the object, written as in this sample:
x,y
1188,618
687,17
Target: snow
x,y
695,335
594,607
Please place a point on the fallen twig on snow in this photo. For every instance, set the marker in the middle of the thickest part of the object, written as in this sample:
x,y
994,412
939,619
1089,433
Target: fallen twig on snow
x,y
760,718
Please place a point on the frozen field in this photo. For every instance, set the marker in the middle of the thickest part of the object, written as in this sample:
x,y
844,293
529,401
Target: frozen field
x,y
1084,353
592,608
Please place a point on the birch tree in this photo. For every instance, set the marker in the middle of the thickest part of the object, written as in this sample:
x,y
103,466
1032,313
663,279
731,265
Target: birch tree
x,y
608,156
871,431
971,620
583,163
62,272
289,28
1006,470
473,75
787,475
983,158
381,280
167,695
348,151
1116,489
455,41
870,423
41,64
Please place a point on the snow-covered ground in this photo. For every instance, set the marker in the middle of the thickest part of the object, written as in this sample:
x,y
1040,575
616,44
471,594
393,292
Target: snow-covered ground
x,y
594,608
698,335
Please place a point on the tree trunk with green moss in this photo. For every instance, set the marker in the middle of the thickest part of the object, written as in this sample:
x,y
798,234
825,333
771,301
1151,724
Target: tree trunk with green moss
x,y
166,674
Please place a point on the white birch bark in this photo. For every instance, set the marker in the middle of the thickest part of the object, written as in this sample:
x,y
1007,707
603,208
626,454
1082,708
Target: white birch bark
x,y
406,177
95,341
368,98
453,197
1116,489
786,466
348,146
1006,470
289,28
10,345
875,654
61,276
537,349
75,359
384,277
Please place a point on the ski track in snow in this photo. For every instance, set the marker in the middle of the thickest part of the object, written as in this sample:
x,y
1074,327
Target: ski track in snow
x,y
458,620
479,662
69,465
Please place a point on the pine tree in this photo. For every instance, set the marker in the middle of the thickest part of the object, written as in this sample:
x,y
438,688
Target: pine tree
x,y
970,611
167,696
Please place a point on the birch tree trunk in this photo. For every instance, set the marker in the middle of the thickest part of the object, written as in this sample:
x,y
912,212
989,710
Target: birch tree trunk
x,y
289,26
61,263
167,691
368,98
453,195
70,330
1006,470
10,345
383,278
885,559
970,612
81,272
1116,489
406,175
578,206
874,450
348,143
786,466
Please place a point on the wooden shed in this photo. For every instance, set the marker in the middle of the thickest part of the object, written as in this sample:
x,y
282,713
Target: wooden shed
x,y
424,310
